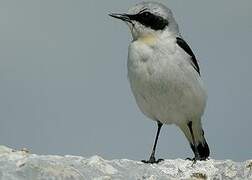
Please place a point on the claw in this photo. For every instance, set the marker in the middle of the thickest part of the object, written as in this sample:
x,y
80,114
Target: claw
x,y
195,159
152,161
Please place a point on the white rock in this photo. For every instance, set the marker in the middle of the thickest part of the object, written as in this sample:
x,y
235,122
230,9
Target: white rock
x,y
20,165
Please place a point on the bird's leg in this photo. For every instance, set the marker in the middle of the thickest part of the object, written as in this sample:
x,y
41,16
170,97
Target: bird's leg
x,y
152,157
197,156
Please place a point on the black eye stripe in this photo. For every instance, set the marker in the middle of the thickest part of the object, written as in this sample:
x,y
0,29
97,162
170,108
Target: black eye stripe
x,y
150,20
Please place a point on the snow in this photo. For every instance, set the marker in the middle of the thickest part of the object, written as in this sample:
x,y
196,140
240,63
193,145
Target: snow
x,y
21,165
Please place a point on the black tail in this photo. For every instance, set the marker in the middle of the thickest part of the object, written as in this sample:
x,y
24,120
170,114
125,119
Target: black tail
x,y
202,149
195,135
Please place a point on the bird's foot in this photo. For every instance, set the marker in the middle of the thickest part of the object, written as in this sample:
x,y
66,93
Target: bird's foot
x,y
152,160
196,158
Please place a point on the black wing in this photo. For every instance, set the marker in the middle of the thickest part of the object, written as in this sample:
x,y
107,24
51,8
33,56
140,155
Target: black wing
x,y
188,50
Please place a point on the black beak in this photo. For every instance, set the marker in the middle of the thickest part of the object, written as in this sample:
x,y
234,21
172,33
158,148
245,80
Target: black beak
x,y
123,17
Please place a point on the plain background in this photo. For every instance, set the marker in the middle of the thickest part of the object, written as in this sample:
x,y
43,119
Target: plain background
x,y
64,88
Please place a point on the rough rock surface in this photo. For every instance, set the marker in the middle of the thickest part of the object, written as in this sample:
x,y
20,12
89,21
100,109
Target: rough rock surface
x,y
21,165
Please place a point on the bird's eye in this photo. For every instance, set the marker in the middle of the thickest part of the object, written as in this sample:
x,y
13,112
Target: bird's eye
x,y
146,14
149,19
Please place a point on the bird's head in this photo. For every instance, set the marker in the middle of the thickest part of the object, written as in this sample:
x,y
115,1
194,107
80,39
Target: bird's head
x,y
149,18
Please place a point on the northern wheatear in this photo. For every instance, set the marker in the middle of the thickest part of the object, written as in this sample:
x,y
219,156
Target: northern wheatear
x,y
164,74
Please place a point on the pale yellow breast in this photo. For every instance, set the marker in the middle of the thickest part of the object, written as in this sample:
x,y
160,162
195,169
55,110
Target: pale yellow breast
x,y
148,39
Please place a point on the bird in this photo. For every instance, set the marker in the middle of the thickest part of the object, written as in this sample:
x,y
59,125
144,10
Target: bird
x,y
164,75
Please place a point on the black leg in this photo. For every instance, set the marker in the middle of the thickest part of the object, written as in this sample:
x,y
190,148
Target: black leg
x,y
194,146
152,157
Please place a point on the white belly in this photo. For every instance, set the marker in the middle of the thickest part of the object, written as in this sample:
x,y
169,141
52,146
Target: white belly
x,y
165,85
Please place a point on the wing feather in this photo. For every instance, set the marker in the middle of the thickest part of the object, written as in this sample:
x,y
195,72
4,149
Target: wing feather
x,y
188,50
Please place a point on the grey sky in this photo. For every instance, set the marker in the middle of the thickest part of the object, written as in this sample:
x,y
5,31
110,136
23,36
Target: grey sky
x,y
64,86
